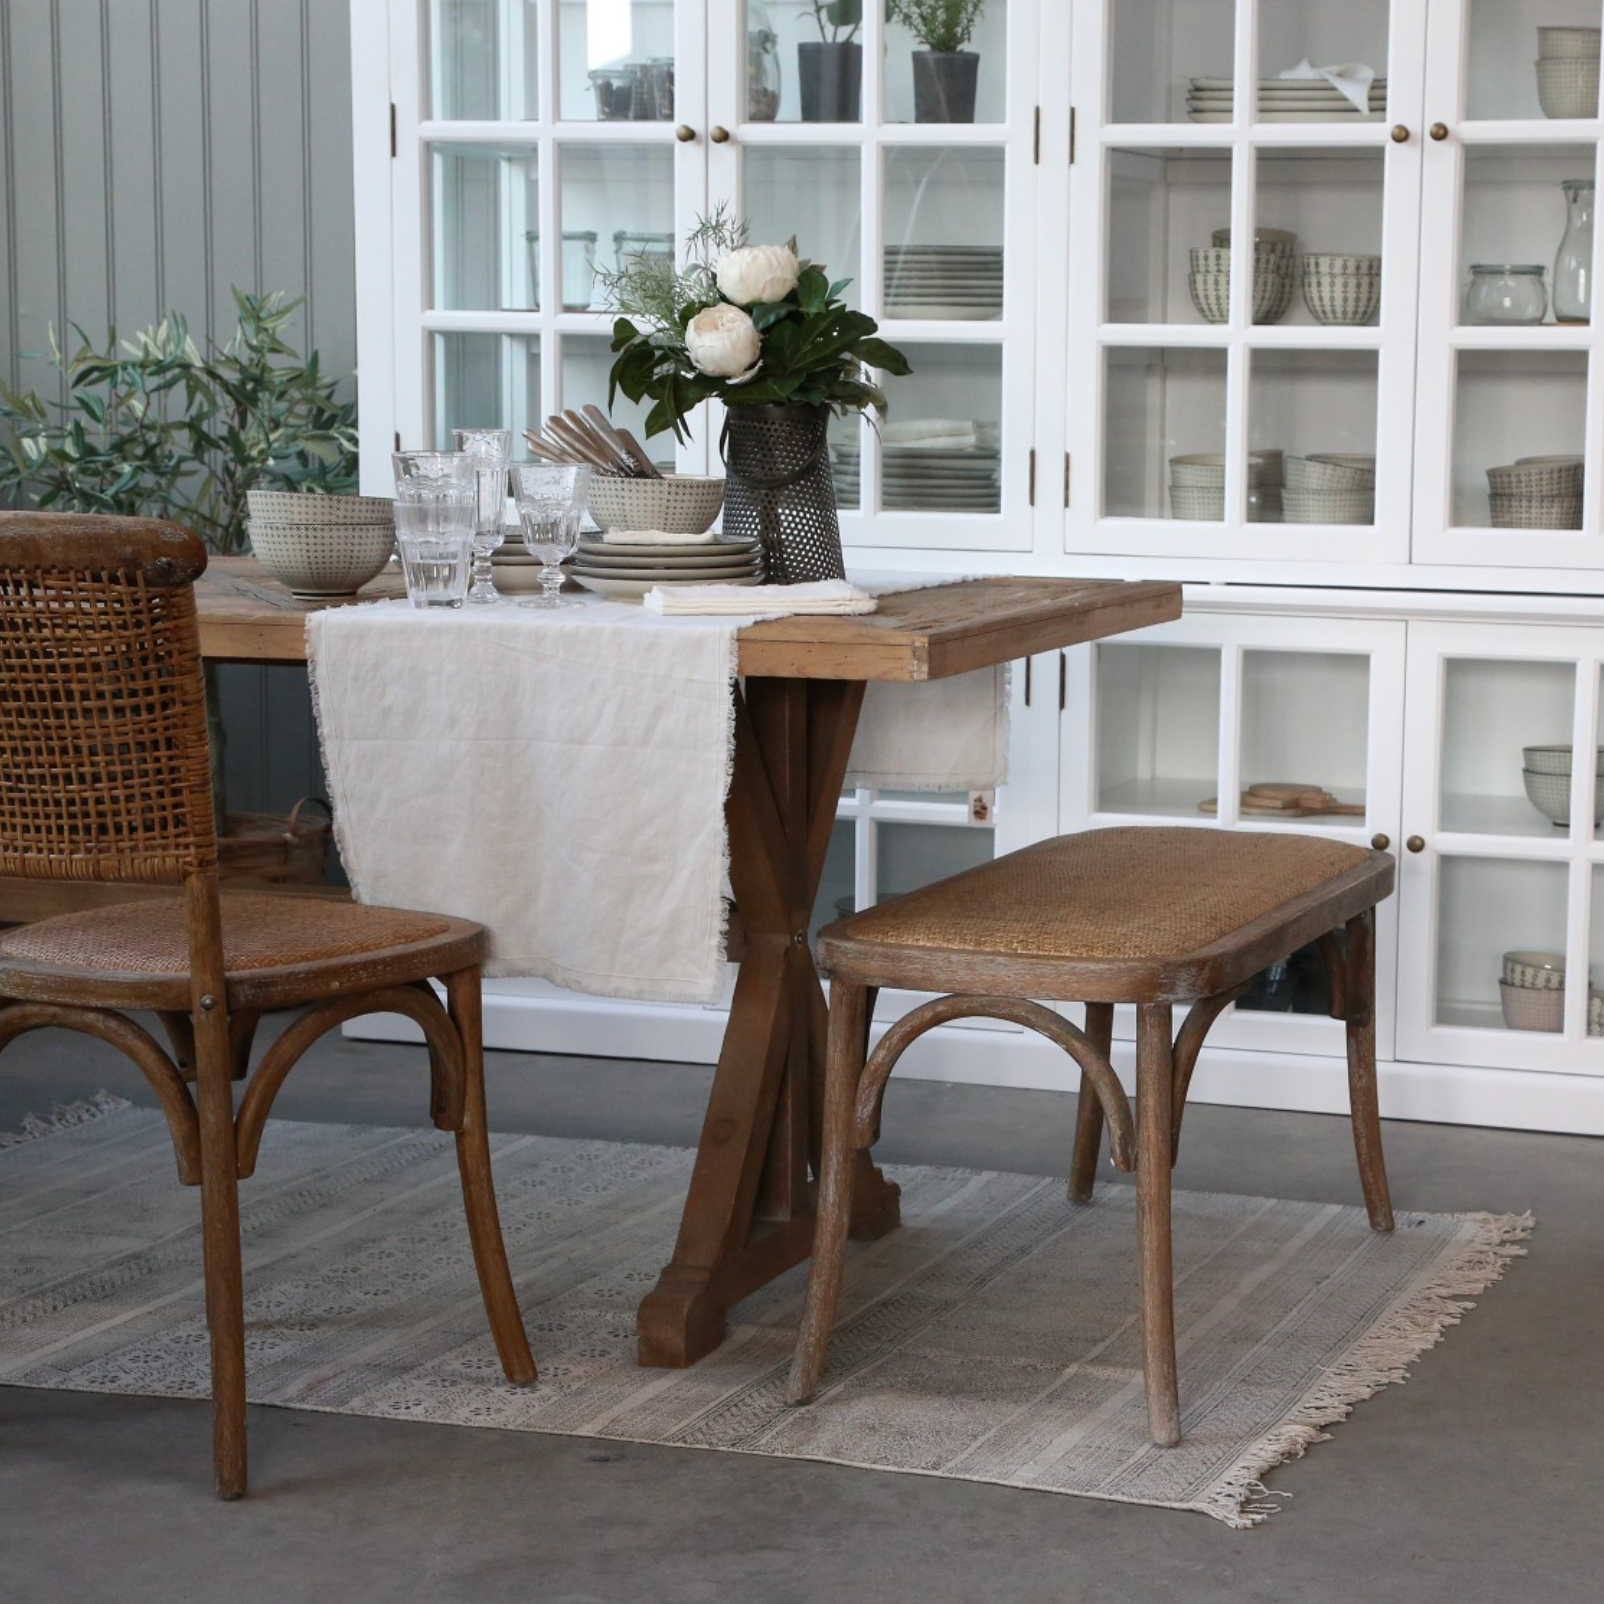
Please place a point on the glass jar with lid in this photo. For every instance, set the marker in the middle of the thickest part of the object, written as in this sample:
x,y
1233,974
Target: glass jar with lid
x,y
1506,292
629,246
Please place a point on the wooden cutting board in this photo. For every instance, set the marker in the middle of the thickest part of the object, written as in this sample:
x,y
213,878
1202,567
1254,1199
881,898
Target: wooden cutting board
x,y
1285,799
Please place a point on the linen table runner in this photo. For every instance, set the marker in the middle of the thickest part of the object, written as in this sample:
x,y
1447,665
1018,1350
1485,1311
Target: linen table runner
x,y
560,777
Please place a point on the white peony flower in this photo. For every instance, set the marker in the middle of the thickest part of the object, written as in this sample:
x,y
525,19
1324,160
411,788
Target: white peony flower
x,y
723,342
756,273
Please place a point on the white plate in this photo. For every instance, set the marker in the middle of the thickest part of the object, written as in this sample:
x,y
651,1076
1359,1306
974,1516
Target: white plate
x,y
667,557
722,551
1291,117
634,589
1290,84
941,312
666,576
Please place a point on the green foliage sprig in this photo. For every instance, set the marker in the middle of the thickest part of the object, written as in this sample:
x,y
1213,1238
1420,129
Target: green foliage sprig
x,y
812,349
944,26
842,17
154,427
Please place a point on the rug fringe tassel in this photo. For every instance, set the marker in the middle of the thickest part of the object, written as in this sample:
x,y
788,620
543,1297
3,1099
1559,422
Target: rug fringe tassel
x,y
62,1117
1381,1359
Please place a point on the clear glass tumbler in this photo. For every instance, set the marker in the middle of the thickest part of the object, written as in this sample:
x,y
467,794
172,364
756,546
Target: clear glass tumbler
x,y
490,449
551,506
434,533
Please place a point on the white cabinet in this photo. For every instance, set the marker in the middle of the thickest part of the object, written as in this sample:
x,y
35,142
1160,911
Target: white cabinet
x,y
1037,264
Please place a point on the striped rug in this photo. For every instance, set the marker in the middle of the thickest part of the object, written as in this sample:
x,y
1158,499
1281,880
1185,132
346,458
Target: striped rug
x,y
992,1338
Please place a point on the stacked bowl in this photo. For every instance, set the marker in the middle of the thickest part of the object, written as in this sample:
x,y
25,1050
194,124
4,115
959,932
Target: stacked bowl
x,y
1274,264
1532,990
1547,777
1567,71
1536,493
1334,487
321,547
1342,288
674,503
1197,485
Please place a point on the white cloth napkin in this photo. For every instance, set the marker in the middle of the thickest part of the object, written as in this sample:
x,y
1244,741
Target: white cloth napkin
x,y
760,601
659,537
1351,79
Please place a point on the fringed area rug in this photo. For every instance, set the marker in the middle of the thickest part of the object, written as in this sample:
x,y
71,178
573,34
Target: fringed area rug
x,y
992,1338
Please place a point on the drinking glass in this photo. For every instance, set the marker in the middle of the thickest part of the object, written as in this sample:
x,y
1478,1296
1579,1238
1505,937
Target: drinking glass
x,y
551,504
434,532
422,469
490,449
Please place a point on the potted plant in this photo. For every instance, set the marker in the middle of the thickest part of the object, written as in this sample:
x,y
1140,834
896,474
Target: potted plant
x,y
830,68
944,73
151,426
767,334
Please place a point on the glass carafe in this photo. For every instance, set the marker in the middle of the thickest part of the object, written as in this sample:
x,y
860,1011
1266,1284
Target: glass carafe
x,y
1573,267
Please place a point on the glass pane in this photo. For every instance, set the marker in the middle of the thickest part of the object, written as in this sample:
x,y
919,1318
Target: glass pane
x,y
943,234
489,381
835,884
1317,220
486,216
1162,403
1492,711
1158,728
1305,721
586,362
1509,406
1292,32
616,60
936,75
1158,48
813,193
484,60
1312,419
1487,907
621,194
913,855
846,460
1526,61
1514,216
1595,968
940,451
800,65
1163,202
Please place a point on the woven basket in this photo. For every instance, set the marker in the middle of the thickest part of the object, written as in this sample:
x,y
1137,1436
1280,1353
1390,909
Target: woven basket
x,y
275,849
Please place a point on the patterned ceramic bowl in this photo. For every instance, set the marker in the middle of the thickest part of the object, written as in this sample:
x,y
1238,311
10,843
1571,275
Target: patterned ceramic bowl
x,y
1329,506
320,561
1582,44
1595,1013
1525,1009
1311,473
1554,759
1348,298
302,507
1206,470
1550,794
1558,478
1199,502
1568,87
1535,512
678,503
1279,240
1537,971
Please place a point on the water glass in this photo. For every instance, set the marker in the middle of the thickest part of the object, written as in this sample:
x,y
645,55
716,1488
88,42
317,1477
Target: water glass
x,y
489,449
434,533
421,470
551,506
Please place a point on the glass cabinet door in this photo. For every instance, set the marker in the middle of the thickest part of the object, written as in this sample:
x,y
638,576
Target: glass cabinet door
x,y
1262,414
1512,398
907,171
1499,885
544,152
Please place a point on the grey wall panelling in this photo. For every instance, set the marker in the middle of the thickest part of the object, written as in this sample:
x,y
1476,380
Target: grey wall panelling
x,y
154,154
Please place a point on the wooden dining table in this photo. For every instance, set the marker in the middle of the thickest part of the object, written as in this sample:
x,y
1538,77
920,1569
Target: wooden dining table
x,y
748,1214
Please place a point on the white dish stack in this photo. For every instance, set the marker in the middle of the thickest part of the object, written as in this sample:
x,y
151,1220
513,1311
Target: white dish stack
x,y
1567,71
624,570
927,465
1283,100
947,283
1536,493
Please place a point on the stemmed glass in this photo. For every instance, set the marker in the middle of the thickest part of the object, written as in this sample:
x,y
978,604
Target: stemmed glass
x,y
551,503
490,449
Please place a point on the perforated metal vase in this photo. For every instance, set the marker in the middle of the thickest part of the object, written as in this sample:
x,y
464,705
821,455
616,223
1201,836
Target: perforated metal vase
x,y
778,488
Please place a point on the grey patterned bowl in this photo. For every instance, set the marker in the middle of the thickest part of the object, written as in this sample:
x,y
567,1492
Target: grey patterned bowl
x,y
1341,293
321,561
678,503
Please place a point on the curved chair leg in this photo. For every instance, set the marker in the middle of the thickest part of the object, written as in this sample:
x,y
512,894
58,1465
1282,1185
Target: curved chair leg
x,y
848,1038
1364,1110
1155,1261
1089,1111
478,1194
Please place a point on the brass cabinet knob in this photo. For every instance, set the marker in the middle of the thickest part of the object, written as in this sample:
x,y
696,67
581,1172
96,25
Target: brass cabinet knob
x,y
1381,842
685,133
1416,843
1400,133
1439,131
719,136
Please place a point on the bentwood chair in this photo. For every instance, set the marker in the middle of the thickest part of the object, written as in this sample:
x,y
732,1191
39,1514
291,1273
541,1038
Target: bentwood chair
x,y
1153,917
105,776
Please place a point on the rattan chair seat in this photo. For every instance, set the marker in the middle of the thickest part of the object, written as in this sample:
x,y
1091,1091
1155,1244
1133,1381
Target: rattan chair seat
x,y
1123,900
270,942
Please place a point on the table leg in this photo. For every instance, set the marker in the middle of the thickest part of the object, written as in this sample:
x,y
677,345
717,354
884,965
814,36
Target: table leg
x,y
749,1212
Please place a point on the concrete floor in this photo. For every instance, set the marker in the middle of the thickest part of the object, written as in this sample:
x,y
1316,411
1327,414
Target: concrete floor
x,y
1482,1479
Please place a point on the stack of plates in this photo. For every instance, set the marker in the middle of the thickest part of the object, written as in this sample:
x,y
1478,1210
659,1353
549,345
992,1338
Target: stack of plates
x,y
951,282
511,566
626,572
923,478
1284,100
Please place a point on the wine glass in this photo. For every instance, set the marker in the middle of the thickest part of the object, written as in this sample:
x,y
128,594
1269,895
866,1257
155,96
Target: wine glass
x,y
551,503
490,449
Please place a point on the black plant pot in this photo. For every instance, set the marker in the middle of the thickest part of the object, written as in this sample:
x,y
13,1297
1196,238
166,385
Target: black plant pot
x,y
944,85
831,76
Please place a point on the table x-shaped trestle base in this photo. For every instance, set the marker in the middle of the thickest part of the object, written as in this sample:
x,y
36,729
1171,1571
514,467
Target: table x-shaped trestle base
x,y
749,1212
